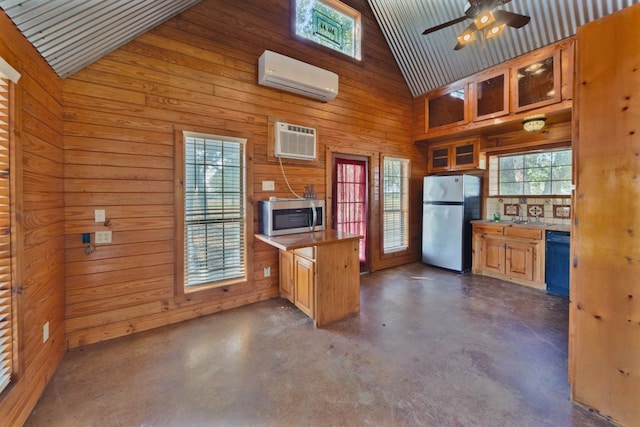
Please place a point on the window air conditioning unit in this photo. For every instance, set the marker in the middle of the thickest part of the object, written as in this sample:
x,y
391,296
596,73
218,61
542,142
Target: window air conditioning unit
x,y
294,142
295,76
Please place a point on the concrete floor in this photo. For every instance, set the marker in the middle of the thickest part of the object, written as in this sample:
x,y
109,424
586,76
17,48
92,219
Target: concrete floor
x,y
429,348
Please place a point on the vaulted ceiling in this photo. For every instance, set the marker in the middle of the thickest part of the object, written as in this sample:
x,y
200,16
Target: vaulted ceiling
x,y
429,61
72,34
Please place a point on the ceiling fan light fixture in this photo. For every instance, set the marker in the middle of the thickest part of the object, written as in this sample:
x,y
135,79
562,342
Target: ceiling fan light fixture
x,y
484,19
467,36
494,30
534,123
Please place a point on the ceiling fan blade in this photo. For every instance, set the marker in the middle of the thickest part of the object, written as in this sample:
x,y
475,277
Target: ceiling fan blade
x,y
514,20
445,25
459,46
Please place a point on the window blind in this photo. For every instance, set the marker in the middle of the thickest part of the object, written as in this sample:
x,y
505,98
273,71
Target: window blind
x,y
5,242
214,210
395,222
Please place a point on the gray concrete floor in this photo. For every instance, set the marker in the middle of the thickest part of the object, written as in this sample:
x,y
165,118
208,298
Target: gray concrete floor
x,y
429,348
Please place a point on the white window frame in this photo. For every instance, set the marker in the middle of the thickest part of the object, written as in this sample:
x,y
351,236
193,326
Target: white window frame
x,y
210,275
8,303
395,231
495,173
340,8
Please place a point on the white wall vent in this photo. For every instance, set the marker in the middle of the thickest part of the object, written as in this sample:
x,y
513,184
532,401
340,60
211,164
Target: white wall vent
x,y
294,142
295,76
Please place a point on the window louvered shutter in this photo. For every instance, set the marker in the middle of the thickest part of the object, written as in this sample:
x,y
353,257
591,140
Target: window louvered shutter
x,y
5,241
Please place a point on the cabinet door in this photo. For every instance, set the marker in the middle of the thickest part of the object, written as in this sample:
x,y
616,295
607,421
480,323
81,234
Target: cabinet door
x,y
519,260
304,295
490,96
286,275
537,83
447,108
465,155
493,259
439,158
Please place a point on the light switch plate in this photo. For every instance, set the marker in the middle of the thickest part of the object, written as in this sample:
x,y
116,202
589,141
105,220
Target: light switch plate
x,y
103,237
100,215
268,186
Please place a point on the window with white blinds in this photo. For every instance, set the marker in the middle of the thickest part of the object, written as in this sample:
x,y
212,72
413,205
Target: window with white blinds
x,y
214,210
6,337
395,202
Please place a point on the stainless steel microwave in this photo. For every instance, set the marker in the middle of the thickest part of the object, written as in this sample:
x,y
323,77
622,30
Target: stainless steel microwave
x,y
290,216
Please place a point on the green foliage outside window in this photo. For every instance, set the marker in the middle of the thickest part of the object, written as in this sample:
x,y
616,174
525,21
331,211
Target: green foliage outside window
x,y
533,174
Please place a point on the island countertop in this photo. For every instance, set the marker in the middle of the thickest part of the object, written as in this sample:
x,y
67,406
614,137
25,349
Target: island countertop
x,y
303,240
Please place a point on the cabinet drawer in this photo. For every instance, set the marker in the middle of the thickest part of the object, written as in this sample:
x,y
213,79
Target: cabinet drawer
x,y
526,233
308,252
488,229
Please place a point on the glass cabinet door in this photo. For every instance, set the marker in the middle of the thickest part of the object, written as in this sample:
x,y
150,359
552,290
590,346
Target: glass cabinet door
x,y
447,109
491,96
537,83
439,158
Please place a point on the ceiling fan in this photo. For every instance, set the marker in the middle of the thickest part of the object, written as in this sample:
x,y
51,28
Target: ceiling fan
x,y
487,21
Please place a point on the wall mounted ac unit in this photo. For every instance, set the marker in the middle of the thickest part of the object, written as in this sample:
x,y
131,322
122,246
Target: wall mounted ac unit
x,y
294,142
295,76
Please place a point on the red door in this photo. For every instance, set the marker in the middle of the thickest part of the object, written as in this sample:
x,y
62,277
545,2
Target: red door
x,y
350,200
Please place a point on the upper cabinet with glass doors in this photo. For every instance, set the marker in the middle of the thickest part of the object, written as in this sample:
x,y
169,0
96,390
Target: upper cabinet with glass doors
x,y
506,92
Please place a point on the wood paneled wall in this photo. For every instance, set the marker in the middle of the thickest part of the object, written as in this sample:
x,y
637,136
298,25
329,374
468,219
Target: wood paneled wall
x,y
198,72
605,291
38,200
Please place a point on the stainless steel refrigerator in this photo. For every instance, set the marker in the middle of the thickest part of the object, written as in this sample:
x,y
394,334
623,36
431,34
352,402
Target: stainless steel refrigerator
x,y
449,204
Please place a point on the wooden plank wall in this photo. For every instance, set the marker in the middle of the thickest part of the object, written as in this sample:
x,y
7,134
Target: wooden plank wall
x,y
605,290
39,249
198,72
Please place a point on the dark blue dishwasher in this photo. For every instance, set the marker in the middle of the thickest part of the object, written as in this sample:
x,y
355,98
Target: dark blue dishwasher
x,y
557,262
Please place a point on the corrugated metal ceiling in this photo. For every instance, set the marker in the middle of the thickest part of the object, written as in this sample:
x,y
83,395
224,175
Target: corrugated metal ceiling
x,y
429,61
71,34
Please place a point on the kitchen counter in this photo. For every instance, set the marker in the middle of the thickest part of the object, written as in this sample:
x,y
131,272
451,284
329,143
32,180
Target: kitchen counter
x,y
303,240
536,225
319,273
512,251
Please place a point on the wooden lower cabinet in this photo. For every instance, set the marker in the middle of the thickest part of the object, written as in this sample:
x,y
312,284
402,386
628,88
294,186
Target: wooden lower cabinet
x,y
322,281
515,254
519,258
304,285
493,255
286,275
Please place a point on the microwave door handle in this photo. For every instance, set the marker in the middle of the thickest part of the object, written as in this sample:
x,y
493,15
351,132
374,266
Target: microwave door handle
x,y
314,217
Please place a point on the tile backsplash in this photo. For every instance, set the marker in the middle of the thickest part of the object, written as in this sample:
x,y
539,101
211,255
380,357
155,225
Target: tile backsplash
x,y
548,210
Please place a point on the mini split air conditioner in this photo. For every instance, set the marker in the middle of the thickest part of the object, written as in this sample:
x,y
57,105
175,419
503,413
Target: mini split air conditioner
x,y
295,76
294,142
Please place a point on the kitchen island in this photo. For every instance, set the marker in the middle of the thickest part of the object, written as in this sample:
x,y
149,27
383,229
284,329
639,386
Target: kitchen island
x,y
319,273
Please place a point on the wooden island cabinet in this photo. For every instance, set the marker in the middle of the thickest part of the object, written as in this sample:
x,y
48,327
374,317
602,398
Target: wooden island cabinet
x,y
320,273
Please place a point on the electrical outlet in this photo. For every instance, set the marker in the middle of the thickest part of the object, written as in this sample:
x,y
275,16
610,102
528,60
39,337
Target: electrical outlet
x,y
100,215
267,271
268,186
45,332
103,237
